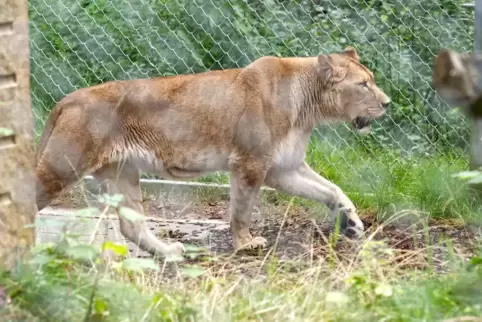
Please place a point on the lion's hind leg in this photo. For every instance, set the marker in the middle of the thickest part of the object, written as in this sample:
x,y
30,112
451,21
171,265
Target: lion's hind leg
x,y
123,178
60,165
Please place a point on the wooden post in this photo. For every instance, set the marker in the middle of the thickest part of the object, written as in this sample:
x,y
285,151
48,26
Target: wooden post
x,y
17,158
476,136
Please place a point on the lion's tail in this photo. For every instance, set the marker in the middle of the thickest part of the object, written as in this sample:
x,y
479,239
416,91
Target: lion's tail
x,y
48,129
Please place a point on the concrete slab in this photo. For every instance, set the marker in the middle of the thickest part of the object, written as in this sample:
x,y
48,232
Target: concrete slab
x,y
52,223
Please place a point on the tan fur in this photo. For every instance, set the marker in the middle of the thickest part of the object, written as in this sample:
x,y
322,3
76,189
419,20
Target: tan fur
x,y
456,78
254,121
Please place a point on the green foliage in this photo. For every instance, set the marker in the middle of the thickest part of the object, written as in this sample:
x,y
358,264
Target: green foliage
x,y
56,286
81,43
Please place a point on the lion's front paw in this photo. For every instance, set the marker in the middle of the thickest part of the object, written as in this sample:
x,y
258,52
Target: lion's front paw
x,y
355,231
350,225
250,243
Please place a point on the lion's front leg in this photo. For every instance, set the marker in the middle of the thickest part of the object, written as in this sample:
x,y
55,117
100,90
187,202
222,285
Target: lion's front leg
x,y
306,183
246,181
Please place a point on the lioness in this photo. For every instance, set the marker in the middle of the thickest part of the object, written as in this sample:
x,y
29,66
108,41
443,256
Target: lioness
x,y
456,78
254,121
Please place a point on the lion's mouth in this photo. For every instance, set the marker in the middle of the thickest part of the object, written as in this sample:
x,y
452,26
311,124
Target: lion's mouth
x,y
361,122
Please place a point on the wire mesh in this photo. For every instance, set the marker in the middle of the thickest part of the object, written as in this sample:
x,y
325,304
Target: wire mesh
x,y
77,43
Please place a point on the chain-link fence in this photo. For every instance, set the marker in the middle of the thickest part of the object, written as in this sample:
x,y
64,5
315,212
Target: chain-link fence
x,y
77,43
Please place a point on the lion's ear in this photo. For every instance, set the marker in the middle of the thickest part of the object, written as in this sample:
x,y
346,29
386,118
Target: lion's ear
x,y
351,52
448,62
329,70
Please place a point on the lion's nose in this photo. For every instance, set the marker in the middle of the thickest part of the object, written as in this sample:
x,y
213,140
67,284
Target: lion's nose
x,y
385,104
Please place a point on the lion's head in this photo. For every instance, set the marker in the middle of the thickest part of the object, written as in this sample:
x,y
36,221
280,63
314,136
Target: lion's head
x,y
455,77
358,98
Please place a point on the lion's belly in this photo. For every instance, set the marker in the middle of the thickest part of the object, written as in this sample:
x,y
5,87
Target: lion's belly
x,y
184,166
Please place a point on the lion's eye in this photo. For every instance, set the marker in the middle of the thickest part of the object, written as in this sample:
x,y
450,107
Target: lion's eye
x,y
364,84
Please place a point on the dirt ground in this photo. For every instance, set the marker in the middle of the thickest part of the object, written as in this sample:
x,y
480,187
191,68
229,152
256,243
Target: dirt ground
x,y
300,238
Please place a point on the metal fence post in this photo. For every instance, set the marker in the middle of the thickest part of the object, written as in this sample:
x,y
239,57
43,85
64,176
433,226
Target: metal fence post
x,y
17,194
476,137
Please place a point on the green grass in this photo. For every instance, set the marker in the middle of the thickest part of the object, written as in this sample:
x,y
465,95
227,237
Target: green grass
x,y
384,182
73,282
